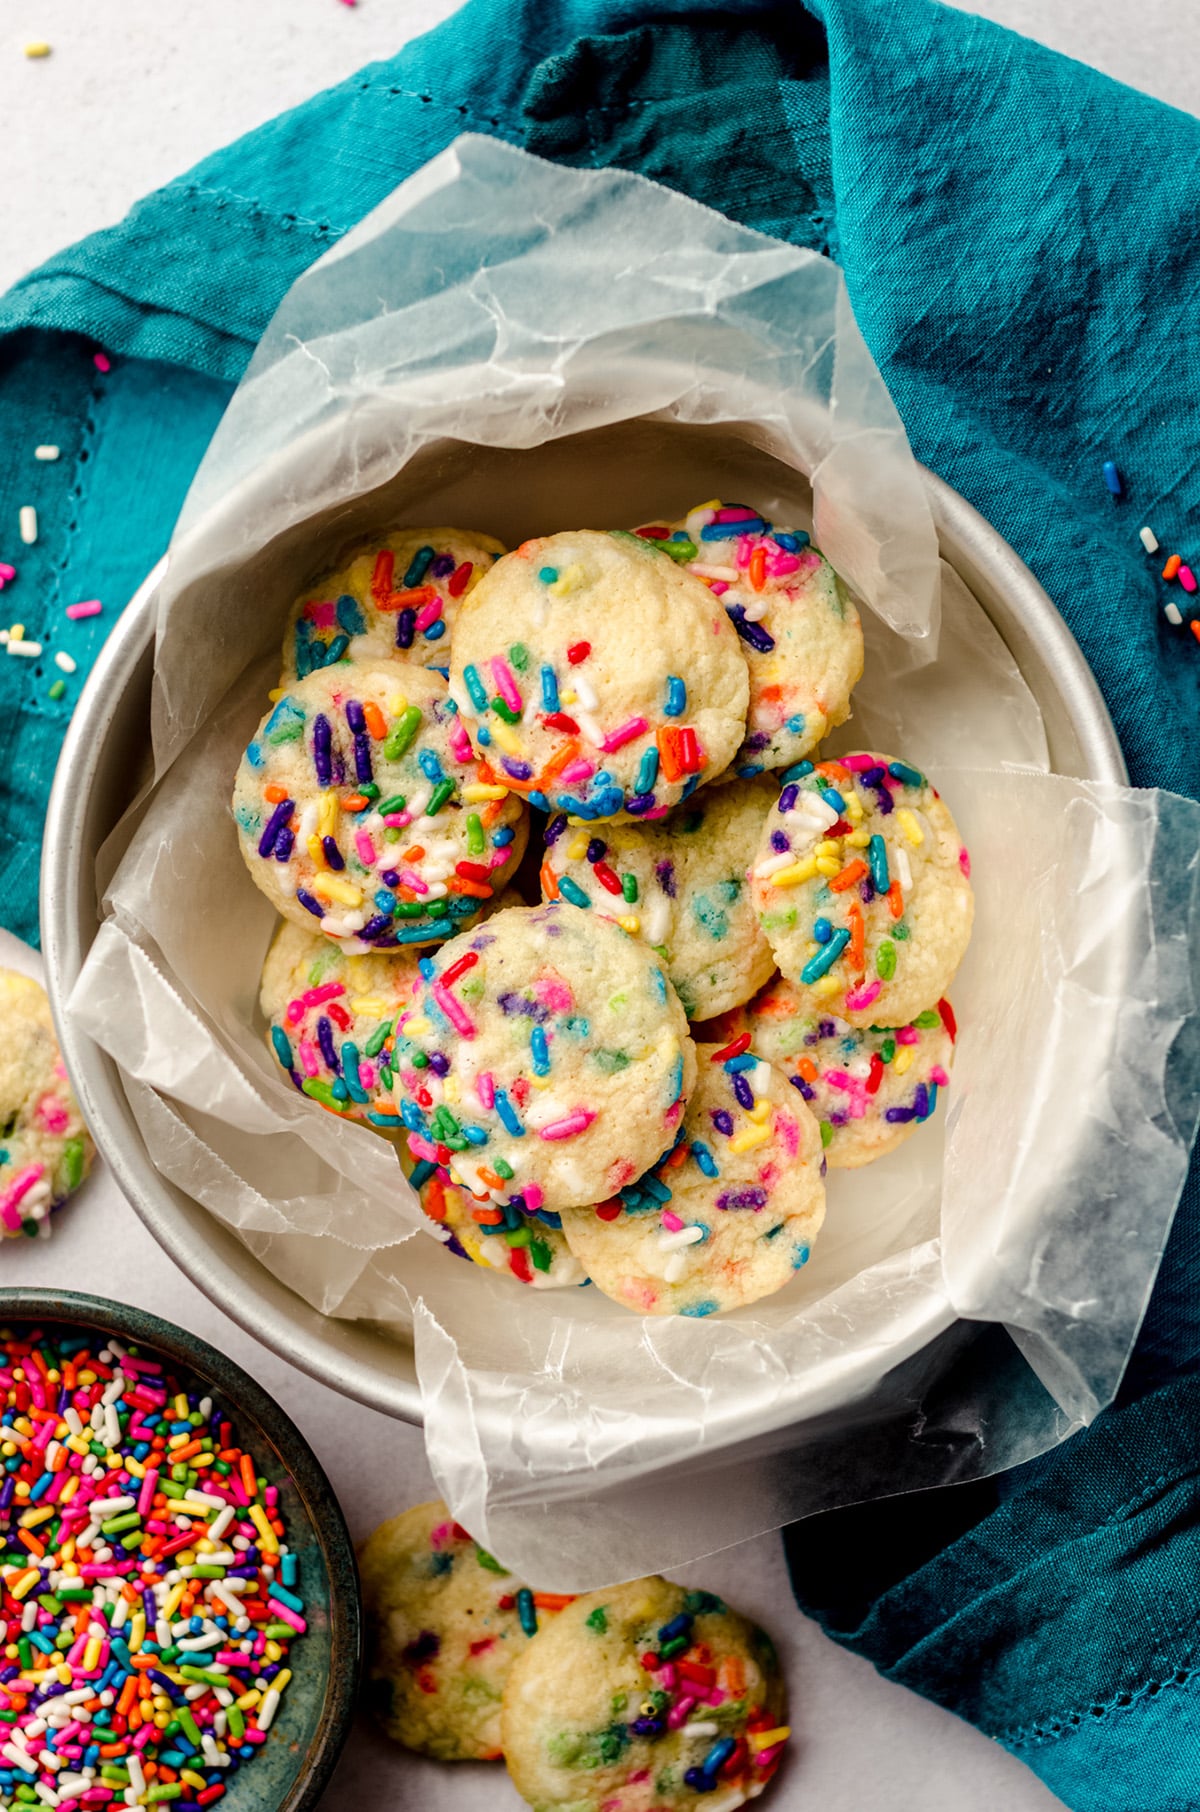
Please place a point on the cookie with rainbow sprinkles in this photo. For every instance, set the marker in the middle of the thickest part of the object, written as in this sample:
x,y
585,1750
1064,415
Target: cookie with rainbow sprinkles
x,y
862,887
391,598
45,1148
800,632
869,1086
645,1697
445,1624
363,812
680,884
545,1057
499,1236
598,677
728,1215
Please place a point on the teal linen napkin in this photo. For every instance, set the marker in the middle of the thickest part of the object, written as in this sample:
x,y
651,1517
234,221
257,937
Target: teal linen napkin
x,y
1019,237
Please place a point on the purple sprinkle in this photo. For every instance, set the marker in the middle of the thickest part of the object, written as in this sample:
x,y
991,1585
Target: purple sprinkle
x,y
309,904
274,825
519,770
555,828
390,877
743,1198
826,1028
866,892
596,850
665,871
439,1063
328,1048
333,854
363,770
406,626
787,798
423,1648
757,743
354,716
779,841
322,745
723,1121
753,633
921,1102
375,928
283,843
838,1119
742,1090
897,1116
527,1009
638,803
803,1086
442,566
872,776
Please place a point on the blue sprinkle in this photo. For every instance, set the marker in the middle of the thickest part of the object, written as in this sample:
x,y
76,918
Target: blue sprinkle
x,y
796,724
541,1054
799,771
385,900
475,688
283,1049
336,649
548,575
475,1134
818,965
349,616
427,969
436,630
729,531
647,772
1112,477
655,1189
793,541
430,766
704,1158
540,800
483,735
878,860
900,770
746,1061
507,1113
800,1258
676,697
549,689
660,984
833,799
412,1117
700,1309
750,770
254,755
421,1173
693,781
503,837
418,566
822,930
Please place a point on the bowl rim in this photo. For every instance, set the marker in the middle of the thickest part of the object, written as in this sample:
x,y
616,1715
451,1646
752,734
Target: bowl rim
x,y
353,1363
193,1354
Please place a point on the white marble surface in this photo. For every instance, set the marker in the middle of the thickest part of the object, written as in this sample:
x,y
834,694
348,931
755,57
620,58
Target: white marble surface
x,y
133,94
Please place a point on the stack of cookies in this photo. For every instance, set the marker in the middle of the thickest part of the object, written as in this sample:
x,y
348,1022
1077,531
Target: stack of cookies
x,y
736,973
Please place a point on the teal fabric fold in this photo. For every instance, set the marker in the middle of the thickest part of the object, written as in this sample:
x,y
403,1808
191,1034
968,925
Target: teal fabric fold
x,y
1020,238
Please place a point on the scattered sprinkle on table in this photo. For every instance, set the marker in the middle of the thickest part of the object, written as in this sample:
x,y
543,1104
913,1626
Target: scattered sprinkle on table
x,y
1148,539
147,1594
1112,477
57,689
45,453
38,48
18,645
101,361
29,524
91,607
1172,614
1187,578
65,662
1174,562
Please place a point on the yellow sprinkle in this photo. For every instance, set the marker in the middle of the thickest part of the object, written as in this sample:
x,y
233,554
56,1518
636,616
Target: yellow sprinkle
x,y
24,1583
828,865
506,736
137,1633
193,1779
568,697
767,1739
714,503
29,1519
760,1110
577,849
825,985
281,1679
369,1006
273,1652
91,1654
451,1090
477,792
64,1675
17,632
38,48
332,887
172,1600
908,824
327,814
316,852
568,579
258,1517
858,839
247,1700
854,810
797,872
749,1138
417,1028
826,847
275,694
904,1058
397,703
629,921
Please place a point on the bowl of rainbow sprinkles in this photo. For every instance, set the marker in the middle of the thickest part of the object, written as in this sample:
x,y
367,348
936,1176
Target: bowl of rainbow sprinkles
x,y
179,1618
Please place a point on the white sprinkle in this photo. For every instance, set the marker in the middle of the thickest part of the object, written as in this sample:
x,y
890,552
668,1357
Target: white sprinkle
x,y
674,1269
701,1730
773,864
267,1709
1148,539
65,664
45,452
903,870
28,521
30,650
4,638
682,1236
1172,614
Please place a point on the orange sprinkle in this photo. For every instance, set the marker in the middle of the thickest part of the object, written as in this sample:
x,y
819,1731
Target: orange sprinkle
x,y
185,1452
679,1155
853,871
491,812
1172,567
406,893
473,890
808,1069
669,753
30,1540
758,568
553,1601
110,1749
355,802
488,774
487,1217
274,794
731,1675
492,1178
562,757
833,769
854,953
128,1695
246,1469
895,900
549,881
433,1199
373,718
413,853
1194,626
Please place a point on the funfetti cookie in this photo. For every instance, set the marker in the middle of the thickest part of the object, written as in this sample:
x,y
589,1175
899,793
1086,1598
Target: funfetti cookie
x,y
645,1698
392,598
598,677
497,1235
681,884
45,1148
870,1087
362,811
545,1056
732,1211
800,632
862,887
445,1622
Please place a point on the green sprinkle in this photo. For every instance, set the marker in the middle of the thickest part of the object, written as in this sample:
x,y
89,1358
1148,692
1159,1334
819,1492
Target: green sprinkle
x,y
572,892
629,889
518,1236
276,1632
885,960
237,1723
476,844
597,1620
377,1040
518,654
928,1020
441,792
396,803
901,934
322,1092
58,688
115,1524
188,1724
402,733
505,710
678,550
669,1650
486,1560
887,1050
502,1168
826,1135
540,1255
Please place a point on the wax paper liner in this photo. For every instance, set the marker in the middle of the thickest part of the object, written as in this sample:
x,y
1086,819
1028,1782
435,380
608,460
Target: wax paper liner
x,y
519,347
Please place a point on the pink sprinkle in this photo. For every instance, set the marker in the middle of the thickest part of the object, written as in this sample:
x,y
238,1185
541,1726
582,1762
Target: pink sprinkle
x,y
429,613
745,547
52,1114
17,1190
672,1222
788,1133
410,878
857,764
459,1018
309,1061
421,1148
460,742
367,1074
101,361
534,1196
863,997
568,1126
1187,578
485,1089
680,1712
91,607
734,512
316,997
778,565
146,1494
667,1677
498,858
323,615
285,1614
718,587
907,1035
506,685
964,860
616,739
397,820
578,770
937,1074
554,994
365,848
765,1757
7,572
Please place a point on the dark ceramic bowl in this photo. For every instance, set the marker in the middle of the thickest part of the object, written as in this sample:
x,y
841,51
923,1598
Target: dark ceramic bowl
x,y
292,1769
